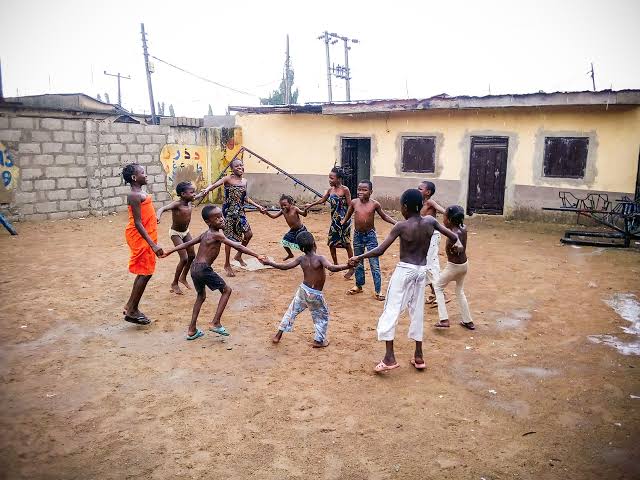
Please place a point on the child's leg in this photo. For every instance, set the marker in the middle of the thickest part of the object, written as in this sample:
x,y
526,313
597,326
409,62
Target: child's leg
x,y
289,254
433,263
191,254
202,296
175,288
227,264
416,312
462,299
320,317
245,241
392,308
297,305
334,255
139,284
358,249
374,262
222,304
349,273
447,276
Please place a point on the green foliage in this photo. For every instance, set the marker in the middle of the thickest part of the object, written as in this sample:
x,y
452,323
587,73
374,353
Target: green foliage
x,y
277,96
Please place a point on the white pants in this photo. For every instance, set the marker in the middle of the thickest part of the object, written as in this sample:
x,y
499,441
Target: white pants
x,y
453,272
405,290
433,263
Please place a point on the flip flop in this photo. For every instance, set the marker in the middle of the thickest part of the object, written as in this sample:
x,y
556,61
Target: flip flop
x,y
220,331
199,333
354,291
418,366
441,325
430,299
469,326
380,297
142,320
383,367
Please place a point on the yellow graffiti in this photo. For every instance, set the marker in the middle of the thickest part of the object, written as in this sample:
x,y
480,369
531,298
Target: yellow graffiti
x,y
9,173
185,163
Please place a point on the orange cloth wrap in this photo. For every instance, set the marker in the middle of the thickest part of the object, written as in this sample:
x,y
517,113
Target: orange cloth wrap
x,y
142,260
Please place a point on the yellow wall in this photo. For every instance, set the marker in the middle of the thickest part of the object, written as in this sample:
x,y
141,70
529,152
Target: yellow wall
x,y
309,144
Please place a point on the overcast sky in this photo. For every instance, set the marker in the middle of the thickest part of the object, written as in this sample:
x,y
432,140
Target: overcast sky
x,y
407,49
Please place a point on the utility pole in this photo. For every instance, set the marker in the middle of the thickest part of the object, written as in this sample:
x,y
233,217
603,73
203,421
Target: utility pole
x,y
339,71
119,77
325,37
1,94
154,119
593,77
287,84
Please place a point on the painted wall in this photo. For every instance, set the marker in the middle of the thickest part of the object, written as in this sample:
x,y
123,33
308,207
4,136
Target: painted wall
x,y
309,144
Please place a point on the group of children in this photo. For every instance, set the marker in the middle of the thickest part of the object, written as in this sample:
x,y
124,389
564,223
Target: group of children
x,y
419,237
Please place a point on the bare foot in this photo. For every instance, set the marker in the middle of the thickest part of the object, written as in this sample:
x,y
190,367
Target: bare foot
x,y
184,282
287,258
317,344
229,271
349,274
238,258
277,337
175,288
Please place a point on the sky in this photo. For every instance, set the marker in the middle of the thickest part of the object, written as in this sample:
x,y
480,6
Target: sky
x,y
406,49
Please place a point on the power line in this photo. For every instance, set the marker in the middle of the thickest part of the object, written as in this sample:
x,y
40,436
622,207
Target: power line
x,y
204,78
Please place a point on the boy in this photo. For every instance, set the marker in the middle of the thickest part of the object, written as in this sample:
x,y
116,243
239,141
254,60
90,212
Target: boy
x,y
309,294
141,234
291,214
203,275
179,231
364,235
431,208
406,287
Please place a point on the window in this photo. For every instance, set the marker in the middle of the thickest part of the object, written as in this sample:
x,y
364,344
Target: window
x,y
565,157
418,154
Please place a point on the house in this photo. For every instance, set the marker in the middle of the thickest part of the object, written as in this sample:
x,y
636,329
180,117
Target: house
x,y
498,154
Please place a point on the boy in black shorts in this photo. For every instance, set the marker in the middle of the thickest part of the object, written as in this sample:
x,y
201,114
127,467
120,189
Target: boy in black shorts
x,y
203,275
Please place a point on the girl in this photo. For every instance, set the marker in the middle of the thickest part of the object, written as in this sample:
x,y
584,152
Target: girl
x,y
141,234
340,200
456,270
292,215
236,226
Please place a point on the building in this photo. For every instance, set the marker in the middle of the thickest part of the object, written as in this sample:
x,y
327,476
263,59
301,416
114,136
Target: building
x,y
499,154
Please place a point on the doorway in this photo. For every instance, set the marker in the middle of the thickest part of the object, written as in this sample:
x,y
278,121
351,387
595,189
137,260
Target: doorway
x,y
637,196
356,161
487,175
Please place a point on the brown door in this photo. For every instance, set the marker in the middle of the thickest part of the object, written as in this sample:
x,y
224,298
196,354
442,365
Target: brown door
x,y
356,162
487,174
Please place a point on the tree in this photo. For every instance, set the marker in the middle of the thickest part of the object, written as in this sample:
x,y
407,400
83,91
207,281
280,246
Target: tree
x,y
99,97
106,95
210,113
171,111
277,96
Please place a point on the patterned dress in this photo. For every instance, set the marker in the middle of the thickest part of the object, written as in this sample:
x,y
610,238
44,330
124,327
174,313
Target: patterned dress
x,y
339,236
235,221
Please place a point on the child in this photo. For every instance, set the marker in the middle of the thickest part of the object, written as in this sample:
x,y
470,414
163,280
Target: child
x,y
340,200
201,272
431,208
236,226
406,287
309,294
292,215
141,234
179,231
364,235
456,270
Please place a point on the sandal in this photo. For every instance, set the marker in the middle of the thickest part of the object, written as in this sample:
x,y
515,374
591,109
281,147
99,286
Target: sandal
x,y
379,296
354,291
469,326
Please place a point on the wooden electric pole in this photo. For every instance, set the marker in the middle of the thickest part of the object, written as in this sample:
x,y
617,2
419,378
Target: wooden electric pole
x,y
147,68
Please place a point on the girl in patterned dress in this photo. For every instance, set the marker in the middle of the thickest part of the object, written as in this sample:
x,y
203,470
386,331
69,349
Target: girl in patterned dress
x,y
236,226
339,199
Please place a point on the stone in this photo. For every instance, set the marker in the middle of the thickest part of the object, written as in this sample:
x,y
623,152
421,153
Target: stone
x,y
57,195
135,148
51,148
67,182
46,207
117,148
62,136
127,137
11,136
29,148
65,159
22,122
51,123
29,173
74,148
68,205
42,160
75,125
26,185
77,172
47,184
56,172
41,136
24,197
143,138
152,148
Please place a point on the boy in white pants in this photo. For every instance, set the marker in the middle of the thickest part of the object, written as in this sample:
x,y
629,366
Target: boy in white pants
x,y
406,287
456,270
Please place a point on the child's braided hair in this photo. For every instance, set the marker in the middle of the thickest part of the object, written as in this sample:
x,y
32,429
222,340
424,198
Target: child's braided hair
x,y
288,198
455,213
128,171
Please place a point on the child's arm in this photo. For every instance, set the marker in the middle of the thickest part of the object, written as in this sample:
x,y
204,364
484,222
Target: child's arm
x,y
380,249
272,215
322,199
215,185
301,212
348,215
238,246
439,208
182,246
347,195
384,216
134,201
457,245
283,266
169,206
257,205
333,268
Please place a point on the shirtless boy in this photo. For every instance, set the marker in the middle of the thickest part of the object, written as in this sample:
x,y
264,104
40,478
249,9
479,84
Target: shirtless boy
x,y
431,208
291,213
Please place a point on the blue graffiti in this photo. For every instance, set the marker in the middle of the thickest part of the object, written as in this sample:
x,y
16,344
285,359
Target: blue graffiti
x,y
177,155
6,178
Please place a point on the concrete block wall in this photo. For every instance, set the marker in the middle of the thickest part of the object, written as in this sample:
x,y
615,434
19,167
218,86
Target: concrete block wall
x,y
73,167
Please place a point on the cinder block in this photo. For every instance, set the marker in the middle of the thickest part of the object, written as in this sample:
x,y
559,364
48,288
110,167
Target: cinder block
x,y
160,178
135,128
22,122
122,208
57,195
58,216
123,190
81,160
77,172
37,217
90,126
78,194
111,182
92,150
41,136
26,185
74,148
92,161
126,158
104,127
82,182
74,125
24,160
46,207
127,137
84,204
107,192
119,128
4,122
78,137
42,160
65,159
145,158
143,138
26,209
80,213
162,139
108,138
56,172
110,159
47,184
152,148
162,196
104,148
11,136
24,197
29,148
42,195
91,137
69,205
158,187
62,136
51,123
154,169
51,148
156,129
135,148
29,173
117,148
67,182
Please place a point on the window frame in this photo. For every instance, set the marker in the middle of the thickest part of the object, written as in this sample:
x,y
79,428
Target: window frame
x,y
433,138
549,138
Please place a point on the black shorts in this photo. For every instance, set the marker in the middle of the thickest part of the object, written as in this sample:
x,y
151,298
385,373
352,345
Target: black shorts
x,y
203,276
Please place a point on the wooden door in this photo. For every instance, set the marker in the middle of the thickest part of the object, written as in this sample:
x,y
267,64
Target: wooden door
x,y
487,174
355,161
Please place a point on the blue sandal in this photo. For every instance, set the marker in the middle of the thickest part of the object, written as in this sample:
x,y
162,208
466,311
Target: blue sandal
x,y
199,333
220,331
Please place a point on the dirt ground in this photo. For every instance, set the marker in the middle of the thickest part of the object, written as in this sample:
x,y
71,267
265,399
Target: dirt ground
x,y
527,395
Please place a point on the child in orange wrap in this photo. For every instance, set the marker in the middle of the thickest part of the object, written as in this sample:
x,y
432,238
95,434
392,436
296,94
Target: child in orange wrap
x,y
141,234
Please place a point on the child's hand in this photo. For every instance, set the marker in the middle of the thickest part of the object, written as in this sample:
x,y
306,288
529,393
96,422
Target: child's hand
x,y
165,254
307,206
262,209
158,218
353,261
262,259
158,250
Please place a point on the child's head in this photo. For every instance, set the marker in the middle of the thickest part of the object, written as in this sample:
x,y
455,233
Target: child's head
x,y
237,167
133,174
454,216
286,201
212,216
410,202
186,191
336,176
306,241
365,187
427,188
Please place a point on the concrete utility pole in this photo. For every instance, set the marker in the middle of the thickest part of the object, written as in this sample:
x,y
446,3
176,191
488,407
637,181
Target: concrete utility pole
x,y
119,77
343,71
147,68
593,77
325,37
287,79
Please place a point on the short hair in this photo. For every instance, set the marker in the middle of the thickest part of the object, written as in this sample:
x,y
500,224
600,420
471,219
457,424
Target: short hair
x,y
182,187
306,241
455,213
412,198
235,160
129,171
206,211
430,186
368,182
288,198
339,172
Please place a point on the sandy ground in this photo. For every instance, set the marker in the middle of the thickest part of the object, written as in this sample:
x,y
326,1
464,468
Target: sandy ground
x,y
86,395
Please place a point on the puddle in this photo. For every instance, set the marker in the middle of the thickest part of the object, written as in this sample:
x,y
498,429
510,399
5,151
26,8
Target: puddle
x,y
626,305
515,319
